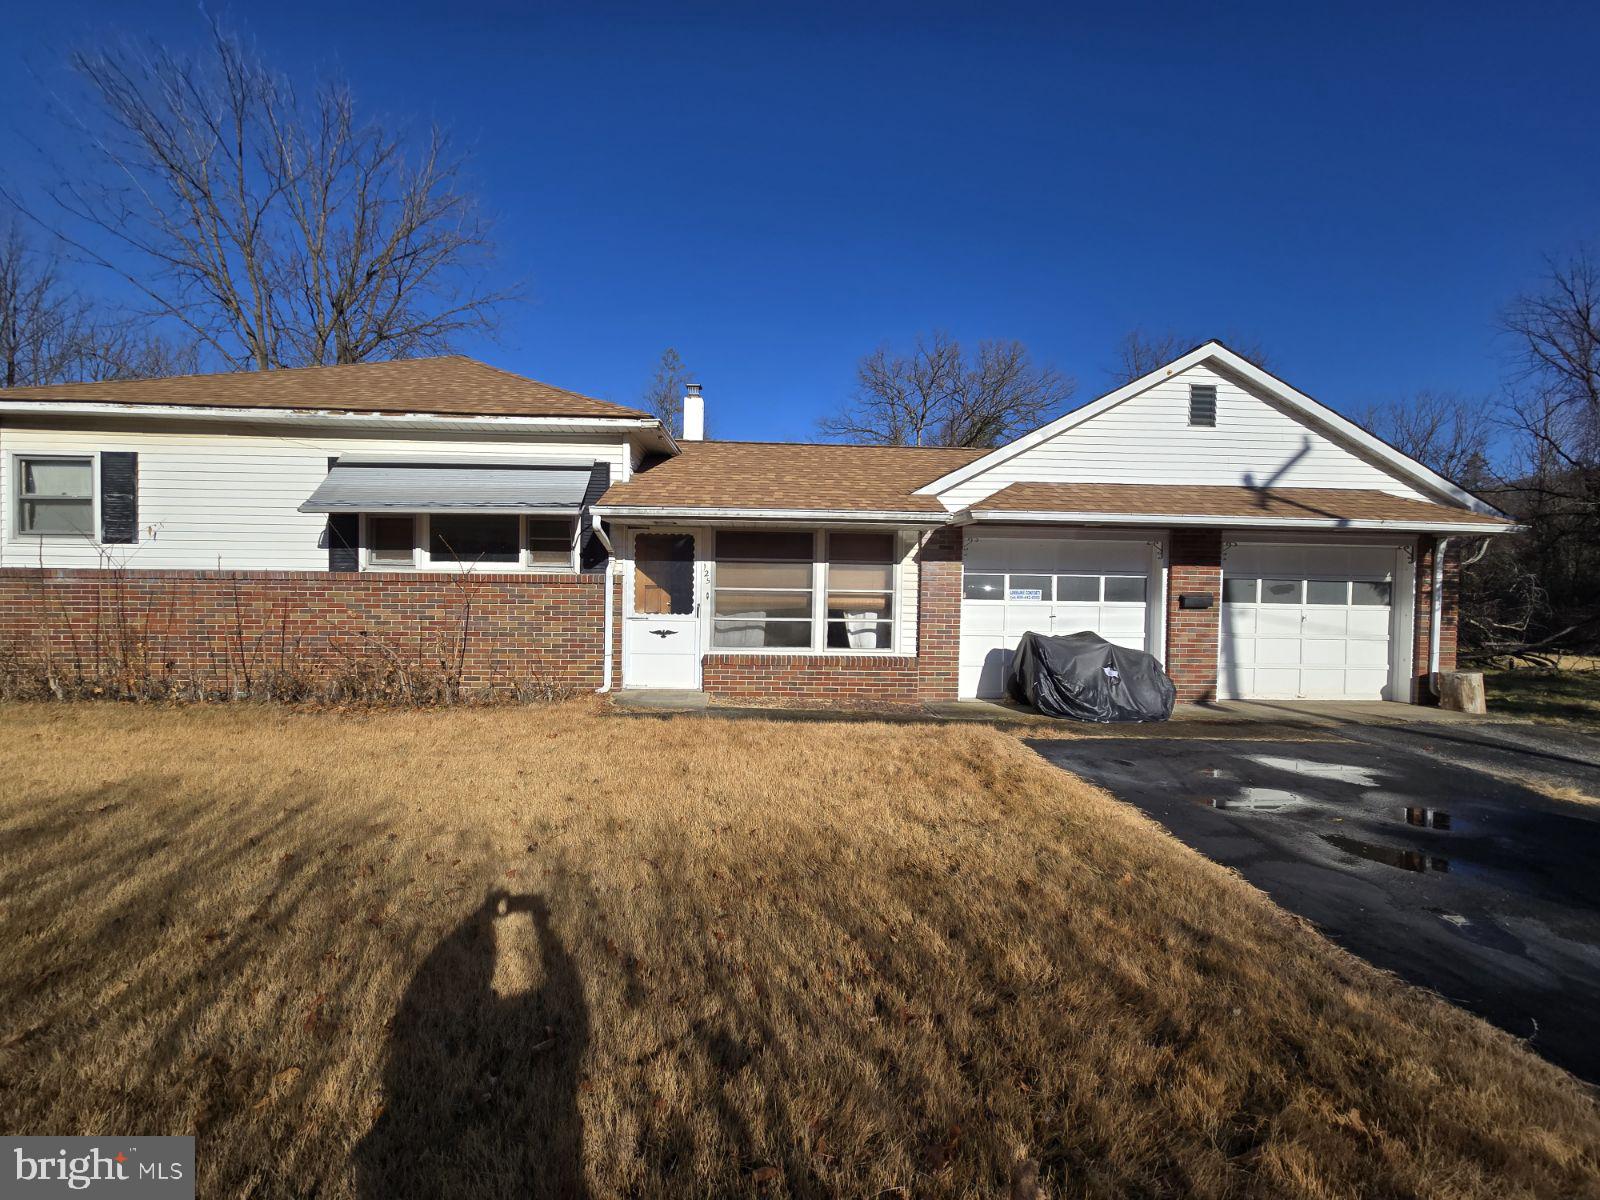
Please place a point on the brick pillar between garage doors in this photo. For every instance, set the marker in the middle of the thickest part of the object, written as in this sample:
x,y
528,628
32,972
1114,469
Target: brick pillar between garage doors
x,y
1195,565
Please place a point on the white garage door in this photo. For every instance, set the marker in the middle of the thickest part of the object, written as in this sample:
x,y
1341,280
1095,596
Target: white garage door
x,y
1014,585
1308,622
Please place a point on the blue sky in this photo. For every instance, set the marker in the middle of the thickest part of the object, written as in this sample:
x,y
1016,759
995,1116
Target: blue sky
x,y
776,191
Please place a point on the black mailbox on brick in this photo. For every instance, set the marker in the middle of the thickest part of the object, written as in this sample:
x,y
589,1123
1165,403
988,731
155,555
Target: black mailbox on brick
x,y
1195,600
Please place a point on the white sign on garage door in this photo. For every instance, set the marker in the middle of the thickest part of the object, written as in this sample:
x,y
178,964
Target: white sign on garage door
x,y
1307,622
1049,585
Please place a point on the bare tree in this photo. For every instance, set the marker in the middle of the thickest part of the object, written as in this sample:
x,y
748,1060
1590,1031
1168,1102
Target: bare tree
x,y
43,325
663,398
276,230
1556,333
1444,431
938,395
51,332
1140,352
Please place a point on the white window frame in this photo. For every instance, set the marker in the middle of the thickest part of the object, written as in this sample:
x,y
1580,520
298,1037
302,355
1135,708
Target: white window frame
x,y
819,597
17,498
422,562
1054,577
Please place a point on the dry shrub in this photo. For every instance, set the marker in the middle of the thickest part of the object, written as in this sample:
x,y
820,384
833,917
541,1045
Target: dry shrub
x,y
489,953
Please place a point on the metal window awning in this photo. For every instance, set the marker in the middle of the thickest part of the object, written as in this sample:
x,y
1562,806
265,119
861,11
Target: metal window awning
x,y
356,485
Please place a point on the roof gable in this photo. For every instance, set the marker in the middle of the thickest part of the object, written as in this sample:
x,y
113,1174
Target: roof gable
x,y
1267,434
448,385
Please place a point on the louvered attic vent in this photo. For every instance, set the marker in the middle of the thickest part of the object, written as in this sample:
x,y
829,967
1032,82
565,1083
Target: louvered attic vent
x,y
1203,405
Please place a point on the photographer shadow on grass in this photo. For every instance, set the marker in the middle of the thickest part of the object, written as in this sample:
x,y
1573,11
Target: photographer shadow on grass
x,y
481,1088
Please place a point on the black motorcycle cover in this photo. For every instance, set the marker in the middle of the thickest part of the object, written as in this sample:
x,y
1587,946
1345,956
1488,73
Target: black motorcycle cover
x,y
1086,678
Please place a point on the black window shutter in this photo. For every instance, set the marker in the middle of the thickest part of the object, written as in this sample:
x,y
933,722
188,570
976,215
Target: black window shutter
x,y
119,498
344,538
591,553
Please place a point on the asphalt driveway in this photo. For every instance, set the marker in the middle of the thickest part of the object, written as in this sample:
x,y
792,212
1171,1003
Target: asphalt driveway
x,y
1402,846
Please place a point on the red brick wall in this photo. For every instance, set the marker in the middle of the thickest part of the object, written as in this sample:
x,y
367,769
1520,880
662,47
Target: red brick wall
x,y
845,680
1196,566
939,616
857,680
207,627
1421,691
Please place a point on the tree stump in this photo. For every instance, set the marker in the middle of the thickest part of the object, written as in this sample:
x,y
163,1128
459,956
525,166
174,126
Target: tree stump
x,y
1462,691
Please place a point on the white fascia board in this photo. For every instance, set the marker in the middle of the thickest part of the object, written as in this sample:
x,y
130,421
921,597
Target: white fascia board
x,y
649,512
1342,427
979,515
295,416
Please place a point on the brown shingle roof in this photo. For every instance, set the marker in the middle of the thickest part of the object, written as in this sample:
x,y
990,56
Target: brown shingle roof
x,y
1196,500
790,475
446,386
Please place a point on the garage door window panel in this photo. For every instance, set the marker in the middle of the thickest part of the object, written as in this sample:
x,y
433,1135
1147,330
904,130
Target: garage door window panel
x,y
1125,589
1240,591
1327,591
1281,591
1371,594
1078,589
984,587
1030,588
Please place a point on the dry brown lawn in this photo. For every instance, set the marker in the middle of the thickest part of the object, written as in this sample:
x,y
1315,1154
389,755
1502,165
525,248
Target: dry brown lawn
x,y
559,953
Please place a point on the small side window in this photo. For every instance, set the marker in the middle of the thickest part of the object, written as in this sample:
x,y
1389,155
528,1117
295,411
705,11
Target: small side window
x,y
1203,405
55,497
391,541
550,543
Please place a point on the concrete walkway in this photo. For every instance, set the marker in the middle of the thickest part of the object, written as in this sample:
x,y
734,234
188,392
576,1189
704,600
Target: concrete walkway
x,y
1229,718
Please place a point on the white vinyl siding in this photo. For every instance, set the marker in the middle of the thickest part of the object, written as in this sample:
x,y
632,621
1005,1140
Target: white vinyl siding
x,y
1148,439
228,497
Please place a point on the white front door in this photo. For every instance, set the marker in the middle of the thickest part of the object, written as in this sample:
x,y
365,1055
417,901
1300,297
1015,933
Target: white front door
x,y
661,632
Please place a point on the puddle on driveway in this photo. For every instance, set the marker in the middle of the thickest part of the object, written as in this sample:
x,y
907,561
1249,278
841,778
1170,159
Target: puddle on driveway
x,y
1336,772
1393,856
1427,818
1253,800
1225,805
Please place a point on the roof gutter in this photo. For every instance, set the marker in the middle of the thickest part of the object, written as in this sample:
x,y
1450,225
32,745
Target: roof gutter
x,y
1190,519
321,416
680,512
